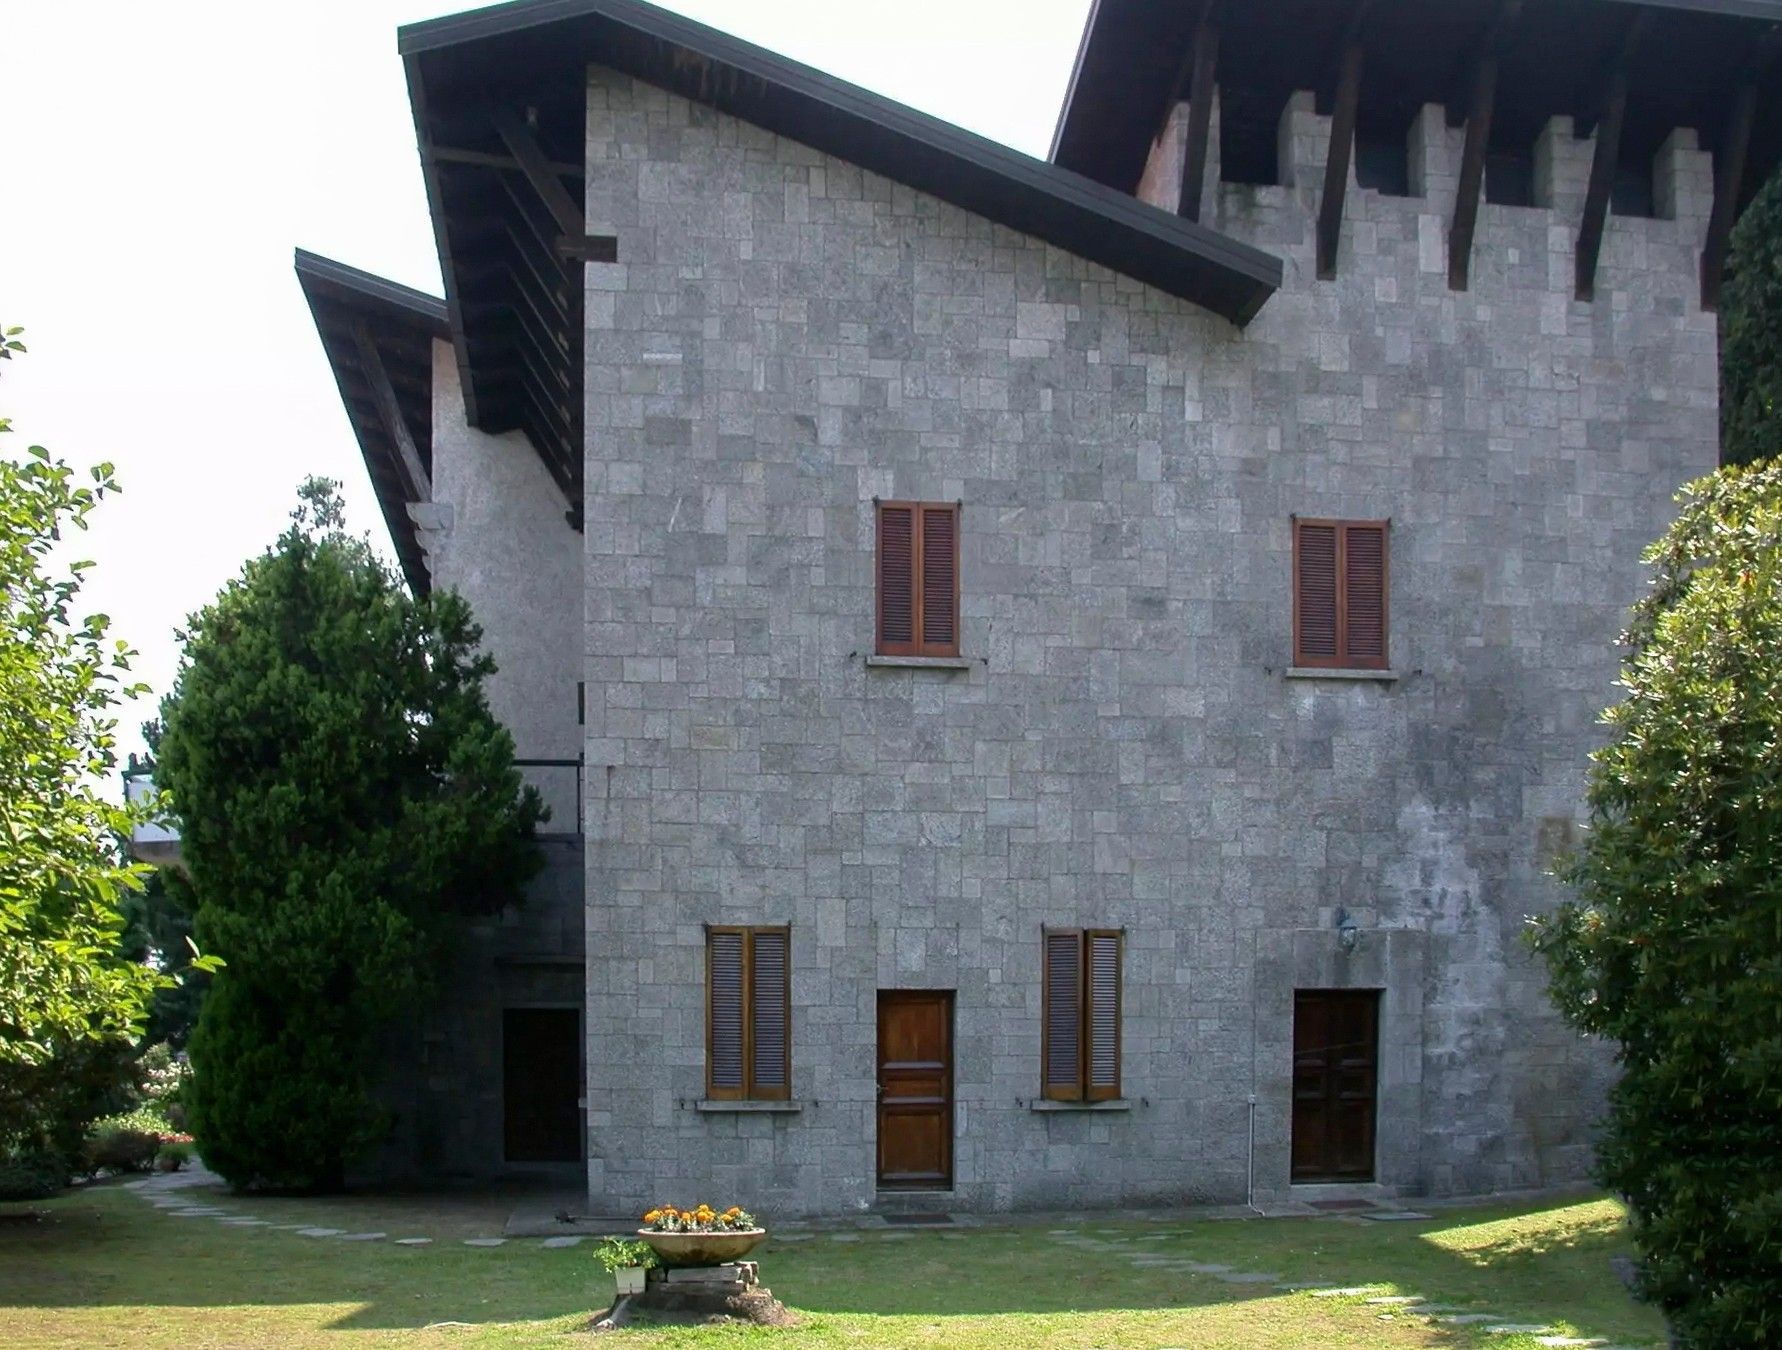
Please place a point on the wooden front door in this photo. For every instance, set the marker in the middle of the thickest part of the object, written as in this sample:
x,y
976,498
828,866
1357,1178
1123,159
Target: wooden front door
x,y
1336,1050
915,1089
541,1070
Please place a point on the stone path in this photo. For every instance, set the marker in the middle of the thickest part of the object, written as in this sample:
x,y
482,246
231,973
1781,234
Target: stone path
x,y
1111,1242
162,1190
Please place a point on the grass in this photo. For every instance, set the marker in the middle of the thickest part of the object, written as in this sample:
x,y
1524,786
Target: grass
x,y
102,1268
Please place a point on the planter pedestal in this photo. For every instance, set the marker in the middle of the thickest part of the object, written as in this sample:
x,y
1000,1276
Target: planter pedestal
x,y
732,1289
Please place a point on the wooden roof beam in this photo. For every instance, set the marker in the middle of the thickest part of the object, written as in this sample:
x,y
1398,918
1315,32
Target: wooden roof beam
x,y
1605,160
1729,168
1342,140
451,154
415,482
1480,103
1201,83
523,146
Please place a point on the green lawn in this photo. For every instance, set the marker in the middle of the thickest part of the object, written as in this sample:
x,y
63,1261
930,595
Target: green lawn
x,y
103,1268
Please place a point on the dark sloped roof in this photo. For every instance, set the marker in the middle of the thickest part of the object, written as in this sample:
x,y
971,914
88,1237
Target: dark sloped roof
x,y
1683,72
403,324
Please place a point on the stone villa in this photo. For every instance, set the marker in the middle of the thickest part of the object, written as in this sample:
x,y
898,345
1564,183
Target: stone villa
x,y
1058,683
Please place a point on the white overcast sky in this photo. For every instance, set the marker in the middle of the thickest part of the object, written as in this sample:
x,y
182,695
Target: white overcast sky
x,y
159,162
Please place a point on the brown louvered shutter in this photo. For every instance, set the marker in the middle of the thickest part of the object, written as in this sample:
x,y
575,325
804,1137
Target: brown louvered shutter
x,y
1061,1052
1364,596
939,566
725,983
1315,594
1103,1016
770,1013
897,579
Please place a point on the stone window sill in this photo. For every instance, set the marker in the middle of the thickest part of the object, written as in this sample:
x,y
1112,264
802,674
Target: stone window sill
x,y
1332,673
711,1107
920,662
1044,1104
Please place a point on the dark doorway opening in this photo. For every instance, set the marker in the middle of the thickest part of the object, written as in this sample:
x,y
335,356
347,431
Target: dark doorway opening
x,y
541,1059
915,1089
1336,1052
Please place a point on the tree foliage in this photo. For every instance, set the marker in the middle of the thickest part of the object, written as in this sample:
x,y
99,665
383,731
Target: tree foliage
x,y
1751,333
158,931
341,790
1672,945
69,997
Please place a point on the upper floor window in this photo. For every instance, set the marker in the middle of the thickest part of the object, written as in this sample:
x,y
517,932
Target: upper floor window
x,y
1340,589
748,1013
1080,1024
918,579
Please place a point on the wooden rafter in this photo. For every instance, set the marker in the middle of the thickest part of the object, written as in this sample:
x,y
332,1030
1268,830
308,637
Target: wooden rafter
x,y
1729,167
1605,160
523,146
448,154
1342,140
1480,102
1201,83
389,412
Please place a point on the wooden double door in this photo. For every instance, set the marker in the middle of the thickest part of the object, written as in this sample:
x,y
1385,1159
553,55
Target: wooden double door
x,y
915,1089
1336,1052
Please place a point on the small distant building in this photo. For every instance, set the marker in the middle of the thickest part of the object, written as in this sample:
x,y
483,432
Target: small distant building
x,y
1061,680
153,841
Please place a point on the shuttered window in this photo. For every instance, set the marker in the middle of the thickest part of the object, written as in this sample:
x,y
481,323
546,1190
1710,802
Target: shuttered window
x,y
1341,583
1080,1026
748,1026
918,579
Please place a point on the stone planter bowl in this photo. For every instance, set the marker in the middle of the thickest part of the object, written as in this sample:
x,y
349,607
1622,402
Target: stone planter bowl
x,y
702,1249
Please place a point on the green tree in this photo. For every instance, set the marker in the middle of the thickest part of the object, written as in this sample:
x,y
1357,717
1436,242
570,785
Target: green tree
x,y
342,790
1751,333
158,931
69,997
1672,946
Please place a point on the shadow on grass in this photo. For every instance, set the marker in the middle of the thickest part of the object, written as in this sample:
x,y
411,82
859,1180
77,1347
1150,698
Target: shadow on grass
x,y
105,1248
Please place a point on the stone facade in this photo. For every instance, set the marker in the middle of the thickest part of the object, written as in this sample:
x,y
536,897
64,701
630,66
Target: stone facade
x,y
785,338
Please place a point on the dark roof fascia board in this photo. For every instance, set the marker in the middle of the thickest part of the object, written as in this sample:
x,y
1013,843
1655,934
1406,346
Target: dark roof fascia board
x,y
417,99
1076,74
1030,195
373,290
382,304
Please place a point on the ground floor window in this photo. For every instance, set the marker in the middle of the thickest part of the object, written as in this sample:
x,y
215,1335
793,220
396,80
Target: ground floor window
x,y
1080,1027
748,973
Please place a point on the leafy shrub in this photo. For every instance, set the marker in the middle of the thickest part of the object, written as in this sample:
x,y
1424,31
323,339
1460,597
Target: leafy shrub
x,y
126,1143
1672,945
112,1148
32,1176
173,1155
618,1253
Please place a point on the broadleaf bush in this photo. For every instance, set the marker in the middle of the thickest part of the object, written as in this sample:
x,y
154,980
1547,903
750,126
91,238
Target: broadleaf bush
x,y
1672,945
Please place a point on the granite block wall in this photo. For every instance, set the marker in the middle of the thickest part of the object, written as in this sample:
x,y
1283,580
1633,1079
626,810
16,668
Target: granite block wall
x,y
784,338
